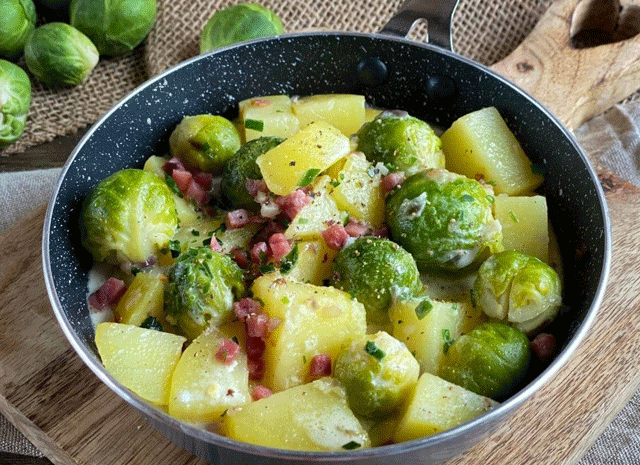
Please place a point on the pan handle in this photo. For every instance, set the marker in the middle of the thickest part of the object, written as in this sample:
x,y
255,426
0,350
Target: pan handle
x,y
438,14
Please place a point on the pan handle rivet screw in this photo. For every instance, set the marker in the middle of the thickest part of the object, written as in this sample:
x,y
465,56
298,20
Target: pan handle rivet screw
x,y
371,71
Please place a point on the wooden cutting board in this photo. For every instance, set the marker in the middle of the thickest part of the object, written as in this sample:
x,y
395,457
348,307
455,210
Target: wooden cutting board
x,y
61,407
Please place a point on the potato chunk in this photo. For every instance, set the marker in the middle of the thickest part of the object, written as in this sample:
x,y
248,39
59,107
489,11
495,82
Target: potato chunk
x,y
314,320
314,262
270,115
481,144
144,297
141,359
438,405
204,386
312,417
299,159
525,226
344,111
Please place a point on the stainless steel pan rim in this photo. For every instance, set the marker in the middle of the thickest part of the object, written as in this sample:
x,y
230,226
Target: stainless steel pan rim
x,y
491,417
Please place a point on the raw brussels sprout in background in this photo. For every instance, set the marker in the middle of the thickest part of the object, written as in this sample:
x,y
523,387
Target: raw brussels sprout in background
x,y
490,360
376,270
518,289
241,167
401,142
128,217
205,142
237,23
201,289
17,21
114,26
59,54
378,373
443,219
15,98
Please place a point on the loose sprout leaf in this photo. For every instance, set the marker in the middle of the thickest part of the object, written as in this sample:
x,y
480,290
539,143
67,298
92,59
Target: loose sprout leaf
x,y
351,445
254,124
309,176
372,349
448,341
424,308
289,261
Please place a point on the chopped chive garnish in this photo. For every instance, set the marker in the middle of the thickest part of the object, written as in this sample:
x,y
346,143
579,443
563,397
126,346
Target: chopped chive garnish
x,y
513,216
372,349
303,220
351,445
309,176
424,308
448,341
254,124
289,261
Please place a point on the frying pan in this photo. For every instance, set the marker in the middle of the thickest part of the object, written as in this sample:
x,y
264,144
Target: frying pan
x,y
429,82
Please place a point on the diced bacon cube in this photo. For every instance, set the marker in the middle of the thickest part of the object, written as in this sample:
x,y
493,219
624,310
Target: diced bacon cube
x,y
544,347
173,164
237,219
257,325
204,180
320,366
182,178
259,252
254,186
241,258
215,245
279,245
383,231
391,180
272,324
291,204
260,392
227,351
255,347
245,307
108,294
335,236
196,193
356,229
256,368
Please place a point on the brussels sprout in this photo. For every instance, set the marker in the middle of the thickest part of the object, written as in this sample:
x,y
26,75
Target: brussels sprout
x,y
17,21
205,142
490,360
202,287
15,98
237,23
114,26
518,289
378,373
129,217
401,142
59,54
443,219
375,270
241,167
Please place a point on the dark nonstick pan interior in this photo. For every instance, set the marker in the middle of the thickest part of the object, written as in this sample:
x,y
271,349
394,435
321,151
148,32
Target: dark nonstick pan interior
x,y
430,83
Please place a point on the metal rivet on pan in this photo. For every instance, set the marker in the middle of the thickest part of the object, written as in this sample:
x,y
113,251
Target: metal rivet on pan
x,y
371,71
440,88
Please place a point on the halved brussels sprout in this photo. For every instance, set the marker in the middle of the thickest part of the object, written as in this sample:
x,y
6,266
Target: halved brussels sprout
x,y
375,270
202,287
518,289
378,372
17,21
205,142
401,142
237,23
241,167
490,360
59,54
115,27
443,219
128,217
15,99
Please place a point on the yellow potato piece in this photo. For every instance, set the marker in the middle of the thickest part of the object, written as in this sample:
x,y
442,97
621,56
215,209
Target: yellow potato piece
x,y
344,111
144,297
525,225
481,144
203,387
314,262
312,417
269,115
141,359
314,320
438,405
297,161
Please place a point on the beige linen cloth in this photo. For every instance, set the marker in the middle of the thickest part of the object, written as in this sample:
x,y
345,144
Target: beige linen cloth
x,y
485,31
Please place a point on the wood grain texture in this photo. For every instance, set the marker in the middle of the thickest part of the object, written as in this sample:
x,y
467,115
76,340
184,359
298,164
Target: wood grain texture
x,y
574,83
52,398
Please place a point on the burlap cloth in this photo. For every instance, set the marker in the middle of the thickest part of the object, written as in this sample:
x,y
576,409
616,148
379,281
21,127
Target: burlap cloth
x,y
485,31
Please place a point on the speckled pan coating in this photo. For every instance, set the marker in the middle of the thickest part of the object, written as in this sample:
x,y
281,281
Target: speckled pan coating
x,y
429,83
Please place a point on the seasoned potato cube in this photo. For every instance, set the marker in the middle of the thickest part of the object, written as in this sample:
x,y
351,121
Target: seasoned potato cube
x,y
358,190
144,298
314,320
344,111
141,359
269,115
525,226
314,262
481,144
312,417
204,386
438,405
371,113
299,159
427,327
315,217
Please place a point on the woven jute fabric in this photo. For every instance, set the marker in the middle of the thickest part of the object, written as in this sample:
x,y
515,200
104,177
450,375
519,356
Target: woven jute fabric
x,y
483,31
